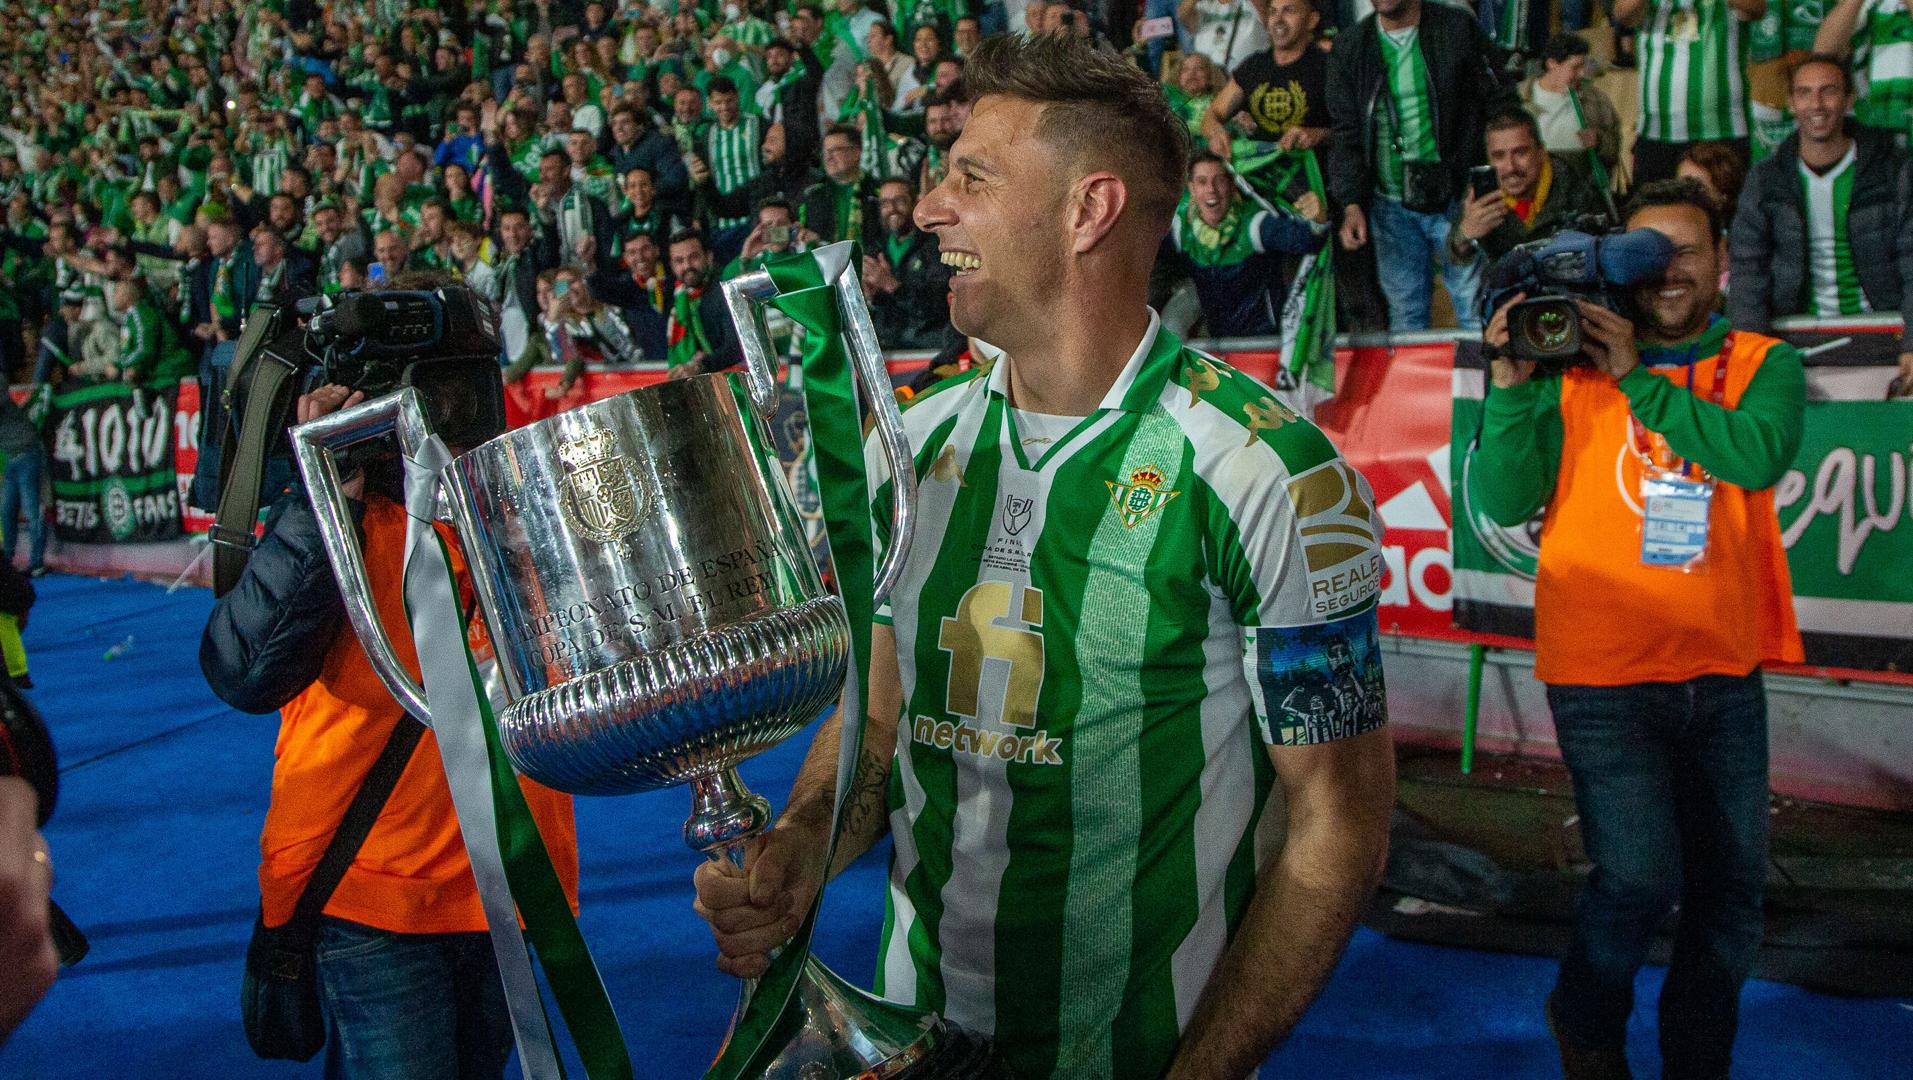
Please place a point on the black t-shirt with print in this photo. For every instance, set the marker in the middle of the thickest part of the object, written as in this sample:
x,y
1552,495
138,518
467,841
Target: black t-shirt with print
x,y
1281,96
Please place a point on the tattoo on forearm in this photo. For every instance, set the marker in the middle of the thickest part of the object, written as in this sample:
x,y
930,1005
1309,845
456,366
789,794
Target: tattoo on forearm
x,y
865,809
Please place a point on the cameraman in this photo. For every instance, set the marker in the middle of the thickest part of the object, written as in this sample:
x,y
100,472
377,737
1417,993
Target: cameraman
x,y
406,970
1653,671
1536,193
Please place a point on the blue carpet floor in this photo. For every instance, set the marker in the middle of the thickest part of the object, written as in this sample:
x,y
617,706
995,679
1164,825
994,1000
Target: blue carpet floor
x,y
156,835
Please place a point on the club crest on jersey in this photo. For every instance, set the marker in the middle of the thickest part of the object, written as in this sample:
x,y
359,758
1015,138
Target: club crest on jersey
x,y
1141,496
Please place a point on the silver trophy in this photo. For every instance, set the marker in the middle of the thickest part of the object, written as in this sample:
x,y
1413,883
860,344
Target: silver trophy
x,y
658,618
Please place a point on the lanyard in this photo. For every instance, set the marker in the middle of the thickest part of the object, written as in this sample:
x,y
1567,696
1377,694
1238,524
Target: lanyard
x,y
1651,447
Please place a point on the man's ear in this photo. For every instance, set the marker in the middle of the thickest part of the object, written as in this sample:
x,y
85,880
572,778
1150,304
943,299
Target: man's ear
x,y
1096,202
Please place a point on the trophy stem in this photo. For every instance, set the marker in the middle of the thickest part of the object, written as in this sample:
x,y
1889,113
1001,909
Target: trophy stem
x,y
725,815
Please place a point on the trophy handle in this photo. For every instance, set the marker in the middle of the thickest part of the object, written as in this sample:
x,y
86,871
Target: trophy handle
x,y
314,445
745,296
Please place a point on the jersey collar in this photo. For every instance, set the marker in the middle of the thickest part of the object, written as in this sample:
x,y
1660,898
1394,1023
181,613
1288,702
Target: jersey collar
x,y
1681,353
1138,385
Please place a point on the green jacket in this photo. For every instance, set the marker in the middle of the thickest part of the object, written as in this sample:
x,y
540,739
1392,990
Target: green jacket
x,y
1750,445
150,348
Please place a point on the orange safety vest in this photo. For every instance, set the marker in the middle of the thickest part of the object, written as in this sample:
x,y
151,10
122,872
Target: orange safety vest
x,y
412,875
1604,619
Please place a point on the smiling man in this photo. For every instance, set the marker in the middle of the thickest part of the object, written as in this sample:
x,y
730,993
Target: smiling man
x,y
1654,458
1824,226
1126,716
1536,193
1233,251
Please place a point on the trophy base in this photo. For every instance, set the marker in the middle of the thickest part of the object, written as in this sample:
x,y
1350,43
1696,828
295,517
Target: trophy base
x,y
846,1034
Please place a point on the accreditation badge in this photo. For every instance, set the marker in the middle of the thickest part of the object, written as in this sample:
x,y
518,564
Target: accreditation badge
x,y
1674,518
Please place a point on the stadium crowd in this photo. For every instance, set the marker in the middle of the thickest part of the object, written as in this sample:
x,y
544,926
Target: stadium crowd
x,y
594,167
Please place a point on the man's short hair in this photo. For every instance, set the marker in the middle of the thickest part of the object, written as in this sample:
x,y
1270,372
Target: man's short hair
x,y
721,85
685,236
513,210
781,43
1204,155
1510,117
1838,64
1679,191
847,131
775,202
555,153
1563,47
1099,111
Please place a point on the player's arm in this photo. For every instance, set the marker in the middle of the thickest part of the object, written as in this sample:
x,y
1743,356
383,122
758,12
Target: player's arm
x,y
757,908
814,794
1338,796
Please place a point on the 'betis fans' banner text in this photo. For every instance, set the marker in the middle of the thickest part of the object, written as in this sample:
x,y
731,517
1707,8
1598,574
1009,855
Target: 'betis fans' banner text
x,y
1844,514
111,450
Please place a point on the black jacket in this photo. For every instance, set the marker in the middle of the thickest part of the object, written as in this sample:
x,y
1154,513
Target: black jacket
x,y
803,132
268,637
657,153
1461,81
818,211
1571,195
1768,244
916,315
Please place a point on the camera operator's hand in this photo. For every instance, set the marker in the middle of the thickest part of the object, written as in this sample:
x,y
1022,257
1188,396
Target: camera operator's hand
x,y
1505,372
1608,340
26,876
325,401
1354,227
757,908
1482,214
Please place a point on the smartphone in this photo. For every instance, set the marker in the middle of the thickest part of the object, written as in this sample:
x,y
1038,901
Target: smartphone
x,y
375,273
1158,28
777,234
1481,180
560,287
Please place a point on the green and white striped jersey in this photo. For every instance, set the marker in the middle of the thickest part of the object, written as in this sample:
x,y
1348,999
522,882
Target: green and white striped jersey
x,y
735,155
1693,77
1100,625
1833,285
1883,65
1405,124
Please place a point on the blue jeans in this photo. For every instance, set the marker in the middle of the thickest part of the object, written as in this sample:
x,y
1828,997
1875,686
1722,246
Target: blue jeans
x,y
1671,783
410,1006
22,495
1408,246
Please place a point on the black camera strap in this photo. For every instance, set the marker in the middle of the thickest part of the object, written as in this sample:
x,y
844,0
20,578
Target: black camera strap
x,y
244,448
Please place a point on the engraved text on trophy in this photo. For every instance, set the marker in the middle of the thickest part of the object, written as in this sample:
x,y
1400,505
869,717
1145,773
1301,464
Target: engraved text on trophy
x,y
737,579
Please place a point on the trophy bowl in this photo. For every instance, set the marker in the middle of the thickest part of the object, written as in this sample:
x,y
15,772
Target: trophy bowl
x,y
657,618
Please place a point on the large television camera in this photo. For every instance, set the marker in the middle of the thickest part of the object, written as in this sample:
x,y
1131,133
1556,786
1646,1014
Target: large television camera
x,y
1557,271
442,342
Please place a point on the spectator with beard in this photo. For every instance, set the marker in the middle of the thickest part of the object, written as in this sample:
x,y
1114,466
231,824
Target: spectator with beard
x,y
842,206
1825,226
698,334
639,293
904,275
286,275
431,244
1278,95
788,96
574,228
1537,193
944,112
336,244
1232,250
389,251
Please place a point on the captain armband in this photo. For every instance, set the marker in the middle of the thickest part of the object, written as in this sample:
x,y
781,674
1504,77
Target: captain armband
x,y
1316,683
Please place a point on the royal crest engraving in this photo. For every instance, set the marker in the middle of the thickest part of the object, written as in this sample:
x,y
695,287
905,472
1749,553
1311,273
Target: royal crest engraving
x,y
600,499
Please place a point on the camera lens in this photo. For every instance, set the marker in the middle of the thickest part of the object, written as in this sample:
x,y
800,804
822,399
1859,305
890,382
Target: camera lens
x,y
1549,330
